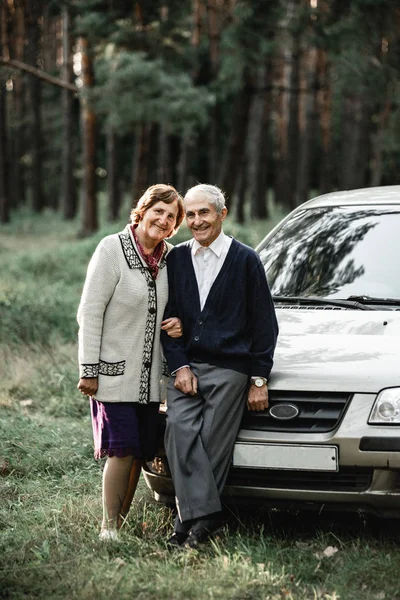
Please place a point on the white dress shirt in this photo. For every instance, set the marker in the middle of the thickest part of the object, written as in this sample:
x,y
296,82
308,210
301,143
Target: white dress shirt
x,y
207,263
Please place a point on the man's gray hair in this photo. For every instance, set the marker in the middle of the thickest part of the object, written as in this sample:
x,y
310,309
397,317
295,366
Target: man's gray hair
x,y
212,193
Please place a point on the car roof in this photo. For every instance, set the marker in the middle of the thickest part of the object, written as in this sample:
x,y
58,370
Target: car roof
x,y
389,194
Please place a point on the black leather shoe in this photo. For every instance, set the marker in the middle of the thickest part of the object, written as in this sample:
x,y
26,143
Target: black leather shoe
x,y
176,540
202,531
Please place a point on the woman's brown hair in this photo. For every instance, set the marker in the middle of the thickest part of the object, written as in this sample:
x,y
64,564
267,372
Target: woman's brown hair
x,y
158,193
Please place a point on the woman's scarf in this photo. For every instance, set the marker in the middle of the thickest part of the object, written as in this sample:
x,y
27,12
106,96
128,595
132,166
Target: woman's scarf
x,y
151,260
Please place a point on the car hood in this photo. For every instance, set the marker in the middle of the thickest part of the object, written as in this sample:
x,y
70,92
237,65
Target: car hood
x,y
336,350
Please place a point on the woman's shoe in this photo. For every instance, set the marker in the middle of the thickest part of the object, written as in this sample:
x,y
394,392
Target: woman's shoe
x,y
107,535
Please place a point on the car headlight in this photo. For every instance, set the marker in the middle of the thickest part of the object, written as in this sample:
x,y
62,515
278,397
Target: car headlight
x,y
386,407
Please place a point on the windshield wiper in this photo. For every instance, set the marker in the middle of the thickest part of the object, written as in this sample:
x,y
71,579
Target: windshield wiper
x,y
375,300
349,303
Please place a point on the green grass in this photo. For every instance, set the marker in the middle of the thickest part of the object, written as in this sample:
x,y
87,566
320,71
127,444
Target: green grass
x,y
50,485
49,516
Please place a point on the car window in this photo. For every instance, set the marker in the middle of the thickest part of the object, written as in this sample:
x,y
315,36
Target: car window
x,y
335,252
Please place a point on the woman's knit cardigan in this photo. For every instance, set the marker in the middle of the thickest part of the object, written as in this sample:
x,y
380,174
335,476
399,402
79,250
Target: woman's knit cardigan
x,y
119,318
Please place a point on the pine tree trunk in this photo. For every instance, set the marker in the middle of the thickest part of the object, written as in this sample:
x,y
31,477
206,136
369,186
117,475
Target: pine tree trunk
x,y
113,189
241,195
324,101
198,11
141,161
257,148
4,187
354,155
89,139
286,167
307,123
35,97
69,191
184,154
163,163
18,133
234,153
52,37
213,145
378,143
214,35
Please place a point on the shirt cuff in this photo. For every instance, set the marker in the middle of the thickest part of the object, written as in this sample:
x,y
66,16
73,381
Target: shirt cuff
x,y
182,367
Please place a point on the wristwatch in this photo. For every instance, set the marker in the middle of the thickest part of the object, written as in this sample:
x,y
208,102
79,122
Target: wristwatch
x,y
258,381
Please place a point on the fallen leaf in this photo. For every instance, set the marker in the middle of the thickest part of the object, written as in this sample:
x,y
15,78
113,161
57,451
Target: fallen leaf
x,y
119,562
330,551
327,553
27,402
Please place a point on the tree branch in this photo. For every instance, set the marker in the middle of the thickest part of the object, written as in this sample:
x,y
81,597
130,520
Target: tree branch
x,y
17,64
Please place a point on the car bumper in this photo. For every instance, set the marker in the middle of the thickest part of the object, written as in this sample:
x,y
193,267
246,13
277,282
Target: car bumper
x,y
367,480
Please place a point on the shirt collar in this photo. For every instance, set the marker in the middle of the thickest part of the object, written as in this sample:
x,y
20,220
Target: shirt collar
x,y
217,245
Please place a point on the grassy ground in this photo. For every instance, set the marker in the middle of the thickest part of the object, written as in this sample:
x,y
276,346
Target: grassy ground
x,y
50,503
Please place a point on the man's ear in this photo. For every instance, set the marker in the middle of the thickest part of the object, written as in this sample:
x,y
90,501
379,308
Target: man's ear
x,y
224,213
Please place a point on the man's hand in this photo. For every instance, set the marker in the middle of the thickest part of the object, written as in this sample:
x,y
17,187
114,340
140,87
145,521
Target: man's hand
x,y
88,386
186,381
257,398
173,327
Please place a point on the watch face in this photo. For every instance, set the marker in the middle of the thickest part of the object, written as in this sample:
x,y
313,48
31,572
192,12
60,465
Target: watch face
x,y
258,382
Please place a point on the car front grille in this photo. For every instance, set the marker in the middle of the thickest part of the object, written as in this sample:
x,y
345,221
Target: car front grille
x,y
347,479
318,412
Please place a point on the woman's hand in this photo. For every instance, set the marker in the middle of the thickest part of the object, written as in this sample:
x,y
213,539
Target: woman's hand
x,y
173,327
88,386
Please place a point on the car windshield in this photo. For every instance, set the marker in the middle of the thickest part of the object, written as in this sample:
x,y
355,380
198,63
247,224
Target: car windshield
x,y
335,252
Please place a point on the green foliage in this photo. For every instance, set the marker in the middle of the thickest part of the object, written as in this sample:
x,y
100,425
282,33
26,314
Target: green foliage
x,y
139,90
245,44
38,293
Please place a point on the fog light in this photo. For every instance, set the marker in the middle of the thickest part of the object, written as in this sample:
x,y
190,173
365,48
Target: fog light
x,y
386,408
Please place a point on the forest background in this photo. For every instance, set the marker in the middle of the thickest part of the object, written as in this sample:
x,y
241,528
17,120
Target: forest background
x,y
291,96
273,101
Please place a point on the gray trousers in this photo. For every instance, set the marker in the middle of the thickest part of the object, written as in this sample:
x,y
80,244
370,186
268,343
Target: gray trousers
x,y
200,436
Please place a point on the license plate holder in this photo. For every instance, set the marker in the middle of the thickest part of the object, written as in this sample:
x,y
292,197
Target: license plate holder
x,y
294,457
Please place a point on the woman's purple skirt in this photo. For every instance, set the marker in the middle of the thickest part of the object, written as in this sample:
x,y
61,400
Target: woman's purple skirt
x,y
124,429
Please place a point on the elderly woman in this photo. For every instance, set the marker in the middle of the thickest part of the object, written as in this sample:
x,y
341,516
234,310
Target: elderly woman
x,y
120,318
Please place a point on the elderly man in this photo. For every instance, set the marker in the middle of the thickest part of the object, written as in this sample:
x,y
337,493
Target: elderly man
x,y
218,288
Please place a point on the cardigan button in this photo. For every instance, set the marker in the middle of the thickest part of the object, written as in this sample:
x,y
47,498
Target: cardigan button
x,y
147,364
152,310
151,284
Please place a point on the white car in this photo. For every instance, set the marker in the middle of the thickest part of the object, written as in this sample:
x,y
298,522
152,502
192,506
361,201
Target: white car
x,y
331,436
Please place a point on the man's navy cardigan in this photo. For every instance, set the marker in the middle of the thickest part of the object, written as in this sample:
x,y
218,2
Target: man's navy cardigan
x,y
237,328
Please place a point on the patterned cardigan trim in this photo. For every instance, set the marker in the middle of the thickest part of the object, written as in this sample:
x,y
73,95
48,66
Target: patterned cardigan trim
x,y
89,371
103,368
131,254
133,259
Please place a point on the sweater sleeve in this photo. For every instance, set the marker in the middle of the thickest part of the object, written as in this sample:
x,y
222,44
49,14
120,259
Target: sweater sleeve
x,y
263,323
99,286
174,348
